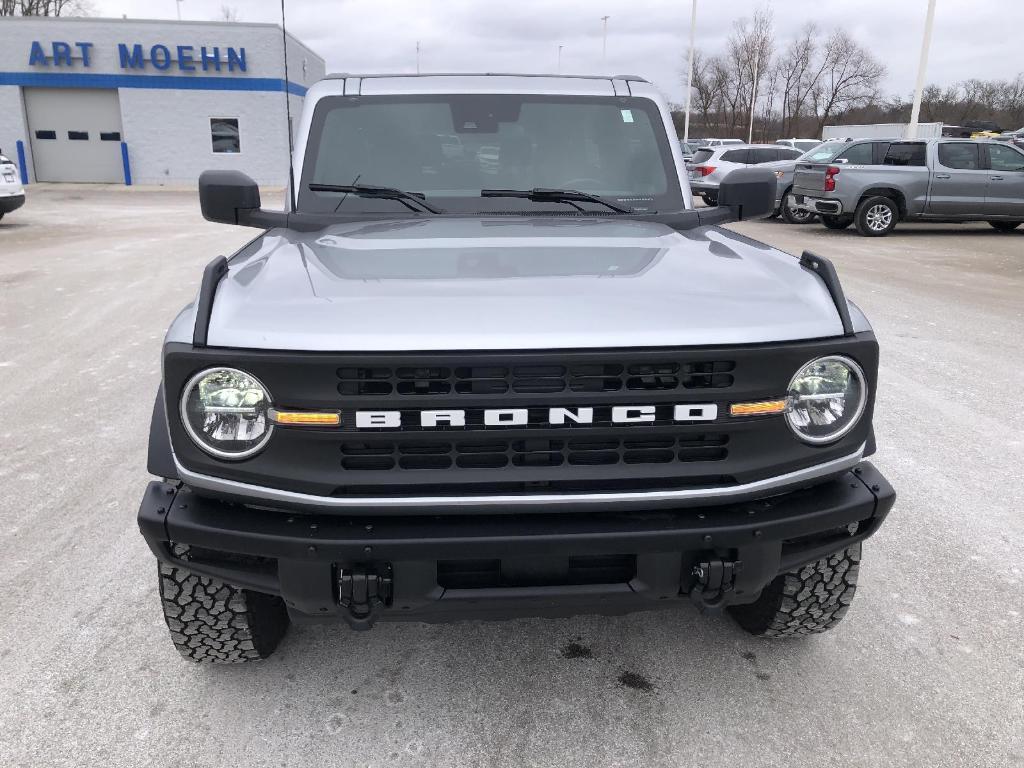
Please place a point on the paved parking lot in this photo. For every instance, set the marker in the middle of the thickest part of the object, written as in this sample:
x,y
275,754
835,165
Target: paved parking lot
x,y
927,670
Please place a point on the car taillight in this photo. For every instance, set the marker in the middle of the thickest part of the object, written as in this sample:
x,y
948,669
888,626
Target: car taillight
x,y
706,170
830,178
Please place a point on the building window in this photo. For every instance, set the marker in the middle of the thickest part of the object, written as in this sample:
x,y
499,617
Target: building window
x,y
47,135
78,135
224,131
111,136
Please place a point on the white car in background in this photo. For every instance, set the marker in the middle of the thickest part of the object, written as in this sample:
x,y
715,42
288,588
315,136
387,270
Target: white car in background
x,y
12,194
804,145
721,142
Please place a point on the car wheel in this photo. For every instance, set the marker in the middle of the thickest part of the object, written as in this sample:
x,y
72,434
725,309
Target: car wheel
x,y
710,199
793,215
211,621
876,216
1005,226
836,222
805,601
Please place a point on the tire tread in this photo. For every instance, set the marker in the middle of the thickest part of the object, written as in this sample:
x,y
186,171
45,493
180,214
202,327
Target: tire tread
x,y
214,622
805,601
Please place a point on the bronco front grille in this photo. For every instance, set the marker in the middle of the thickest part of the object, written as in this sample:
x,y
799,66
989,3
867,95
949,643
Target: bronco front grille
x,y
662,375
467,455
496,453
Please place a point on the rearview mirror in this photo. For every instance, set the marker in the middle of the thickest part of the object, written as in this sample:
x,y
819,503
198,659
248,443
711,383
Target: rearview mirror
x,y
231,197
748,193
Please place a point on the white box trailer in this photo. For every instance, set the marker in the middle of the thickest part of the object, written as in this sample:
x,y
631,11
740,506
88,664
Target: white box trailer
x,y
881,131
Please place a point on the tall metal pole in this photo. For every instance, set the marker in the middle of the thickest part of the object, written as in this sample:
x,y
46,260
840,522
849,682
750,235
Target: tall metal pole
x,y
560,59
604,40
753,95
417,57
689,77
922,69
177,7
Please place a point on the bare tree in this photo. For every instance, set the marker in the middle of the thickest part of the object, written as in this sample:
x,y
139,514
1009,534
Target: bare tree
x,y
749,56
227,13
708,77
802,67
851,78
45,7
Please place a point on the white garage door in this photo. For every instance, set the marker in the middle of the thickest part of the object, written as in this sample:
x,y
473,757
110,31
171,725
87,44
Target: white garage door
x,y
75,134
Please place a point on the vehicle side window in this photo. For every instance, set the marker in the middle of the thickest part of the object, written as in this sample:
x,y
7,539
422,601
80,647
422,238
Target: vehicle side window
x,y
858,154
879,148
1005,158
736,156
905,154
702,156
961,156
789,154
763,155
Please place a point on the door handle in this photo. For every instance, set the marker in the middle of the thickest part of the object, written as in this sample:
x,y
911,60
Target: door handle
x,y
941,175
996,178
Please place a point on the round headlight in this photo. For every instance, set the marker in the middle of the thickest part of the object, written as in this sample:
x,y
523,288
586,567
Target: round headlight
x,y
826,399
224,411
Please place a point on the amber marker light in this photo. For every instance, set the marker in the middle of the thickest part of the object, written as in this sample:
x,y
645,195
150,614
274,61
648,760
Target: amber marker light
x,y
760,408
305,418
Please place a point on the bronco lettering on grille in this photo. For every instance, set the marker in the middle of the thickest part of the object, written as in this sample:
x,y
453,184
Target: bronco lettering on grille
x,y
517,417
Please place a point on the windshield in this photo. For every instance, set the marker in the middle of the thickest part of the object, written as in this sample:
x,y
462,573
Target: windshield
x,y
805,145
824,153
448,148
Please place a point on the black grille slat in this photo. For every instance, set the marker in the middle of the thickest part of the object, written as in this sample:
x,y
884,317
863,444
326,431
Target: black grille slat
x,y
533,452
410,382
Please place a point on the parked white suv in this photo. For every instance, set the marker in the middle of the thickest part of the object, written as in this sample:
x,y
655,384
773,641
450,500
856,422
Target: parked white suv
x,y
804,145
12,194
712,164
721,142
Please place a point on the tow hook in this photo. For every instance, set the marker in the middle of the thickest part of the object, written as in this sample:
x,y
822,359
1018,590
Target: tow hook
x,y
364,592
714,580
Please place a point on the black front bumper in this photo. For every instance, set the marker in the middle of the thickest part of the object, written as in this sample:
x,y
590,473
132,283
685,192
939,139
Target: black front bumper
x,y
10,203
429,568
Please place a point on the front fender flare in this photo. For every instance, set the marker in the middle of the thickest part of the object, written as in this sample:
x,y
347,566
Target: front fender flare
x,y
160,459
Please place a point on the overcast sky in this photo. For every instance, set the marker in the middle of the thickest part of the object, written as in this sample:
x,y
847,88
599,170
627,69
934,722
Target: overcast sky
x,y
973,38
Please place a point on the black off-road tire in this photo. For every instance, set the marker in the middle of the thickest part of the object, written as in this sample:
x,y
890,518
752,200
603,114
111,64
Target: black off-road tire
x,y
214,622
805,601
710,199
842,221
876,216
1005,226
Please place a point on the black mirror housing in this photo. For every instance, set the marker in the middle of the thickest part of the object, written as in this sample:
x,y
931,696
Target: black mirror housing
x,y
748,193
231,197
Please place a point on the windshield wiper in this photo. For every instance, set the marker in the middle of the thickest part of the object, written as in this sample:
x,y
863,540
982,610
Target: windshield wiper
x,y
540,195
381,193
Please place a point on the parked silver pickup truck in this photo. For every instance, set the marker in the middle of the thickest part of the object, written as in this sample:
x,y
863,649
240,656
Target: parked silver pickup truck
x,y
943,180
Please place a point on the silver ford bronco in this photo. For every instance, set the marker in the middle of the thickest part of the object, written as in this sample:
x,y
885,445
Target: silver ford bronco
x,y
491,362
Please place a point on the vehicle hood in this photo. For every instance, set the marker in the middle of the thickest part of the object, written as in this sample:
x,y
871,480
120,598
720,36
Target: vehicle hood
x,y
513,283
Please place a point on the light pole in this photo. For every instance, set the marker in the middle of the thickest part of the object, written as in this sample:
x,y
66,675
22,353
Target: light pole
x,y
177,7
689,77
753,94
417,57
922,67
560,58
604,40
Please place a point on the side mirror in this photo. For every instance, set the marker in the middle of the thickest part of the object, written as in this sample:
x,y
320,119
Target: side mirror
x,y
748,193
231,197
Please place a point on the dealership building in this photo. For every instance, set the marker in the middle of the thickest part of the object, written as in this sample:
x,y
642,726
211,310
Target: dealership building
x,y
148,102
